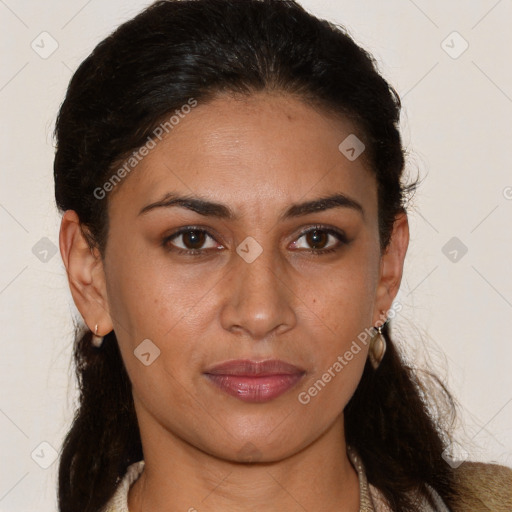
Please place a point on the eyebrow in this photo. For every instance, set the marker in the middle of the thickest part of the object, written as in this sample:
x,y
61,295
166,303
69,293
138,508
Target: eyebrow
x,y
221,211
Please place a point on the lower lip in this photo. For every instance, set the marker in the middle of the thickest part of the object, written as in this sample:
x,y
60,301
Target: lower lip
x,y
255,389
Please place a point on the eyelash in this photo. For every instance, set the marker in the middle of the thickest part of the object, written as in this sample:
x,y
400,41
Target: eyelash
x,y
342,239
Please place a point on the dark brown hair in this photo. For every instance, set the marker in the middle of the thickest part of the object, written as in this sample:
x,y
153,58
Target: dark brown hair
x,y
151,66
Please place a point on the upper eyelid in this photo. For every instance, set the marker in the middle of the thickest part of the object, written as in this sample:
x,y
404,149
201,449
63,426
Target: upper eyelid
x,y
331,230
339,234
185,229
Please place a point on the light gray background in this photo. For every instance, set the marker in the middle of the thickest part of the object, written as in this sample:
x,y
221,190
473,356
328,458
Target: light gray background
x,y
457,309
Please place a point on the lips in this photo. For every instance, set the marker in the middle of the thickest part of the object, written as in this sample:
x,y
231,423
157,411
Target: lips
x,y
254,381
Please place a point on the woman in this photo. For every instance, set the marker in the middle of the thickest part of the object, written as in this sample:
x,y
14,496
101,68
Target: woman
x,y
234,233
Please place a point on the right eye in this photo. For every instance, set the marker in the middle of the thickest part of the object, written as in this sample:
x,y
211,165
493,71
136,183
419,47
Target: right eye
x,y
190,240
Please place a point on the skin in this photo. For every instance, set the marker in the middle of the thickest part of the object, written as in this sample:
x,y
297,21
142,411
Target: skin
x,y
257,155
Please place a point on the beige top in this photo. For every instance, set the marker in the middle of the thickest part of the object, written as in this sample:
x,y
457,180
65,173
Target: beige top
x,y
370,498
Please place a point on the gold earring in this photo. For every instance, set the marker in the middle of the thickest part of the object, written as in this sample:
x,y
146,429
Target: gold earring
x,y
96,340
377,348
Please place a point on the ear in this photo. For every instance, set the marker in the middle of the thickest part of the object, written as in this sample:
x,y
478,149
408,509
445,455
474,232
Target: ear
x,y
85,274
391,267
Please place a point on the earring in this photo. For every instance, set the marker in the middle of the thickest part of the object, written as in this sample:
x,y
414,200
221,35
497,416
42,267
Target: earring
x,y
377,348
96,340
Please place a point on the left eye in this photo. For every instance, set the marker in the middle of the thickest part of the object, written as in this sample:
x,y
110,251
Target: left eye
x,y
320,239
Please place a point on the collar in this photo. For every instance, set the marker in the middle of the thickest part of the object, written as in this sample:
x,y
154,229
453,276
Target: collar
x,y
370,498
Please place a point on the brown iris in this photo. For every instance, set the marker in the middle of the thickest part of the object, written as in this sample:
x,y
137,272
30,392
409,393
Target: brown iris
x,y
194,239
317,238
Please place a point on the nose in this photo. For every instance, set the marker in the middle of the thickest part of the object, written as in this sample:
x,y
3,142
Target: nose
x,y
258,301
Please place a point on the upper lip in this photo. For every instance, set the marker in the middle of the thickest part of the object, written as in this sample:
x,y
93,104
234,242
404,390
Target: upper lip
x,y
248,367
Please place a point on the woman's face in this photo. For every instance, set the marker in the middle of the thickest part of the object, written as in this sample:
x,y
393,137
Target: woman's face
x,y
247,278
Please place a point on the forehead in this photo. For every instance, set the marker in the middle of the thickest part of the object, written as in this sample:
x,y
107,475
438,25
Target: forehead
x,y
254,152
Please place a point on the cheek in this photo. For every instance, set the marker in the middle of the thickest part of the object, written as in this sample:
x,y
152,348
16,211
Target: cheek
x,y
344,314
158,304
345,305
342,299
328,391
341,342
147,297
343,310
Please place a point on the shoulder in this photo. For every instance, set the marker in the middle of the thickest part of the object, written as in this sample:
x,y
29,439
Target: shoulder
x,y
483,487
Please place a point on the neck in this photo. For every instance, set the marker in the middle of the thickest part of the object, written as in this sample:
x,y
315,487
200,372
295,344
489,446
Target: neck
x,y
318,477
